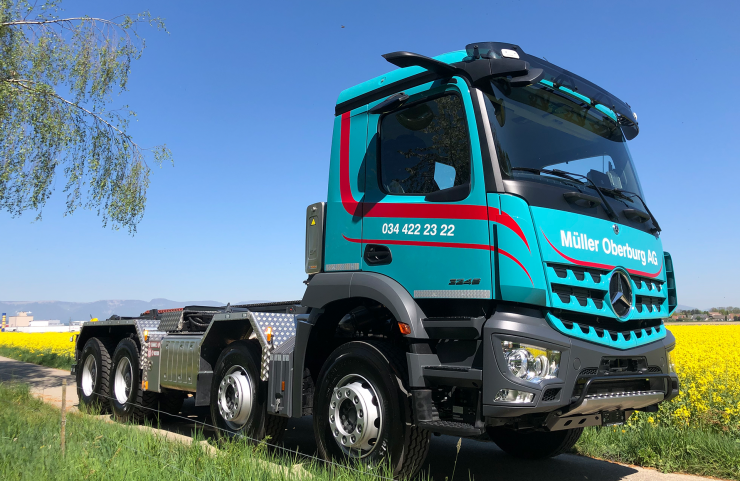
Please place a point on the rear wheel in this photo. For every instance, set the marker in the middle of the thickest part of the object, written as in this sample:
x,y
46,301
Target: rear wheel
x,y
93,373
535,444
361,411
238,396
128,401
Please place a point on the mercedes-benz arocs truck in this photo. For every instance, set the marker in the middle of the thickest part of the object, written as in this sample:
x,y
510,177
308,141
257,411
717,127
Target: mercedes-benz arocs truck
x,y
485,266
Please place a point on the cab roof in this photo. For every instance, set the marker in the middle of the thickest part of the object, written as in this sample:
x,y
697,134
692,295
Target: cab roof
x,y
462,62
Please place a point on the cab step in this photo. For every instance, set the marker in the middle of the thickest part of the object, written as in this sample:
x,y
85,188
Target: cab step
x,y
451,428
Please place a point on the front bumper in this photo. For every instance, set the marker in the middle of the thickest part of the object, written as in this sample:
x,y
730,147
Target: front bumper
x,y
583,386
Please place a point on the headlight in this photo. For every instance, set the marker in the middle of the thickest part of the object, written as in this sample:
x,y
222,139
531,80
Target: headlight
x,y
671,364
531,363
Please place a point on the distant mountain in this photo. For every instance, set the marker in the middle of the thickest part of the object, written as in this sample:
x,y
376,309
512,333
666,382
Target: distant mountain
x,y
81,311
681,307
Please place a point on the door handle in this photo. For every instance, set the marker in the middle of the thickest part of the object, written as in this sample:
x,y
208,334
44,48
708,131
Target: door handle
x,y
377,255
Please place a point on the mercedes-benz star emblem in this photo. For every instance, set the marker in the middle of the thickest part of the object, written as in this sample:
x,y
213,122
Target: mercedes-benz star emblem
x,y
620,293
616,229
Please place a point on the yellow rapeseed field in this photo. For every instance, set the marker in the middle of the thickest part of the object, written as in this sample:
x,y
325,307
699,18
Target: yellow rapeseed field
x,y
704,356
709,373
54,342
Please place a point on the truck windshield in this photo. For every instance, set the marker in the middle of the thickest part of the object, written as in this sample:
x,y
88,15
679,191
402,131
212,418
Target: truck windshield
x,y
543,126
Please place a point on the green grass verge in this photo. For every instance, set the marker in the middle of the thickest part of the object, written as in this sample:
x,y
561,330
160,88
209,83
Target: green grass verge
x,y
668,449
30,450
43,358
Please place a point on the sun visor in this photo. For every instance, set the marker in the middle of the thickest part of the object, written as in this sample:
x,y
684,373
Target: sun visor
x,y
561,79
588,92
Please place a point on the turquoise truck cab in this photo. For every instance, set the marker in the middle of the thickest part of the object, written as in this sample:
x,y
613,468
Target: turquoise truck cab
x,y
485,266
443,193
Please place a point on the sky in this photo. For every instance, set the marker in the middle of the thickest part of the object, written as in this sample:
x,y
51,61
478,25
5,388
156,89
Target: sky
x,y
244,93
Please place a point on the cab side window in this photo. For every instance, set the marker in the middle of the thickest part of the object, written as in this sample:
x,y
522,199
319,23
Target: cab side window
x,y
425,147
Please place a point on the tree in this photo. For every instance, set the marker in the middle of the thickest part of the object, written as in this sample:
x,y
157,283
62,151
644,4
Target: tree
x,y
58,77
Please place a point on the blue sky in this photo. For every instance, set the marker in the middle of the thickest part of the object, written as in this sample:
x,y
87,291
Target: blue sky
x,y
244,93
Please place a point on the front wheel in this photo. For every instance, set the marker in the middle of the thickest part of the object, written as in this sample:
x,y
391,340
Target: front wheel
x,y
535,444
361,411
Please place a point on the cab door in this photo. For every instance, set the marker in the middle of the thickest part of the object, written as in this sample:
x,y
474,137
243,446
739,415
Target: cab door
x,y
425,218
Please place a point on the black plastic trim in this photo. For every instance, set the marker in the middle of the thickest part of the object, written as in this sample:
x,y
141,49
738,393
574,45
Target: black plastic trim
x,y
452,194
540,194
454,328
377,94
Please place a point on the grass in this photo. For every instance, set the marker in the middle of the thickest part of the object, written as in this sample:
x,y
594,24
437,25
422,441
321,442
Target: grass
x,y
41,357
668,449
30,450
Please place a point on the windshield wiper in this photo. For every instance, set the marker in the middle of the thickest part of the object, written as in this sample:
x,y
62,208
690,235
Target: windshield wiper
x,y
569,175
657,228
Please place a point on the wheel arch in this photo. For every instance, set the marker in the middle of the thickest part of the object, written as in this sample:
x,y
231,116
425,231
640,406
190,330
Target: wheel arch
x,y
331,296
110,336
327,289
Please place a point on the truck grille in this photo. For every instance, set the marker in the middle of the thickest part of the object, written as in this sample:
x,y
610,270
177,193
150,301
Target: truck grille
x,y
585,290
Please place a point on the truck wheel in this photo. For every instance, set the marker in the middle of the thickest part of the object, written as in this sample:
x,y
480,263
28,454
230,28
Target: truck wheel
x,y
93,373
170,401
128,401
362,411
535,444
238,396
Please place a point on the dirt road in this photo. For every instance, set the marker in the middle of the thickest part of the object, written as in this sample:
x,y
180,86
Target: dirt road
x,y
480,461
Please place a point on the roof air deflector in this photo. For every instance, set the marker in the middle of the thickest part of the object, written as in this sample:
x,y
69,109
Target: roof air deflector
x,y
410,59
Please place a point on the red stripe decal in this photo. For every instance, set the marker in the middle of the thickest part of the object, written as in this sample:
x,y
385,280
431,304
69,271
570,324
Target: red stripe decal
x,y
348,200
407,211
454,245
506,220
599,266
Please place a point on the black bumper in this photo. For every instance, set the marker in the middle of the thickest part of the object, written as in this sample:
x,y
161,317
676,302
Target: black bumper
x,y
581,380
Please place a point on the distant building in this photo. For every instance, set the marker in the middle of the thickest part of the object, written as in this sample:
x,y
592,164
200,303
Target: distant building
x,y
54,322
21,319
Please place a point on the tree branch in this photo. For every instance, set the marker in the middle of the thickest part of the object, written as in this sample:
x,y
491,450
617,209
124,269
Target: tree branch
x,y
57,20
20,82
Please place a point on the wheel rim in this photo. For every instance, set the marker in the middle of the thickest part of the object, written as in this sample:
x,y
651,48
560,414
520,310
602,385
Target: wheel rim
x,y
123,380
235,397
89,375
355,417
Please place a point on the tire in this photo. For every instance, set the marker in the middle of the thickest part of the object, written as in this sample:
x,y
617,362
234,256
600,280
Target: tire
x,y
93,374
374,422
535,444
128,401
170,401
238,396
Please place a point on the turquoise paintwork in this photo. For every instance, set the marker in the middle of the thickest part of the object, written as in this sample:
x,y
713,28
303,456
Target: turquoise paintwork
x,y
425,270
553,227
339,254
395,76
646,335
519,283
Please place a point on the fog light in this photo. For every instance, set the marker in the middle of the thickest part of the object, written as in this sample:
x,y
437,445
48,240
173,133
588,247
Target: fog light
x,y
514,396
531,363
671,363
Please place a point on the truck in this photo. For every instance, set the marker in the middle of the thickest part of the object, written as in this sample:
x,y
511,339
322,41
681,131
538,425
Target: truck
x,y
485,266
